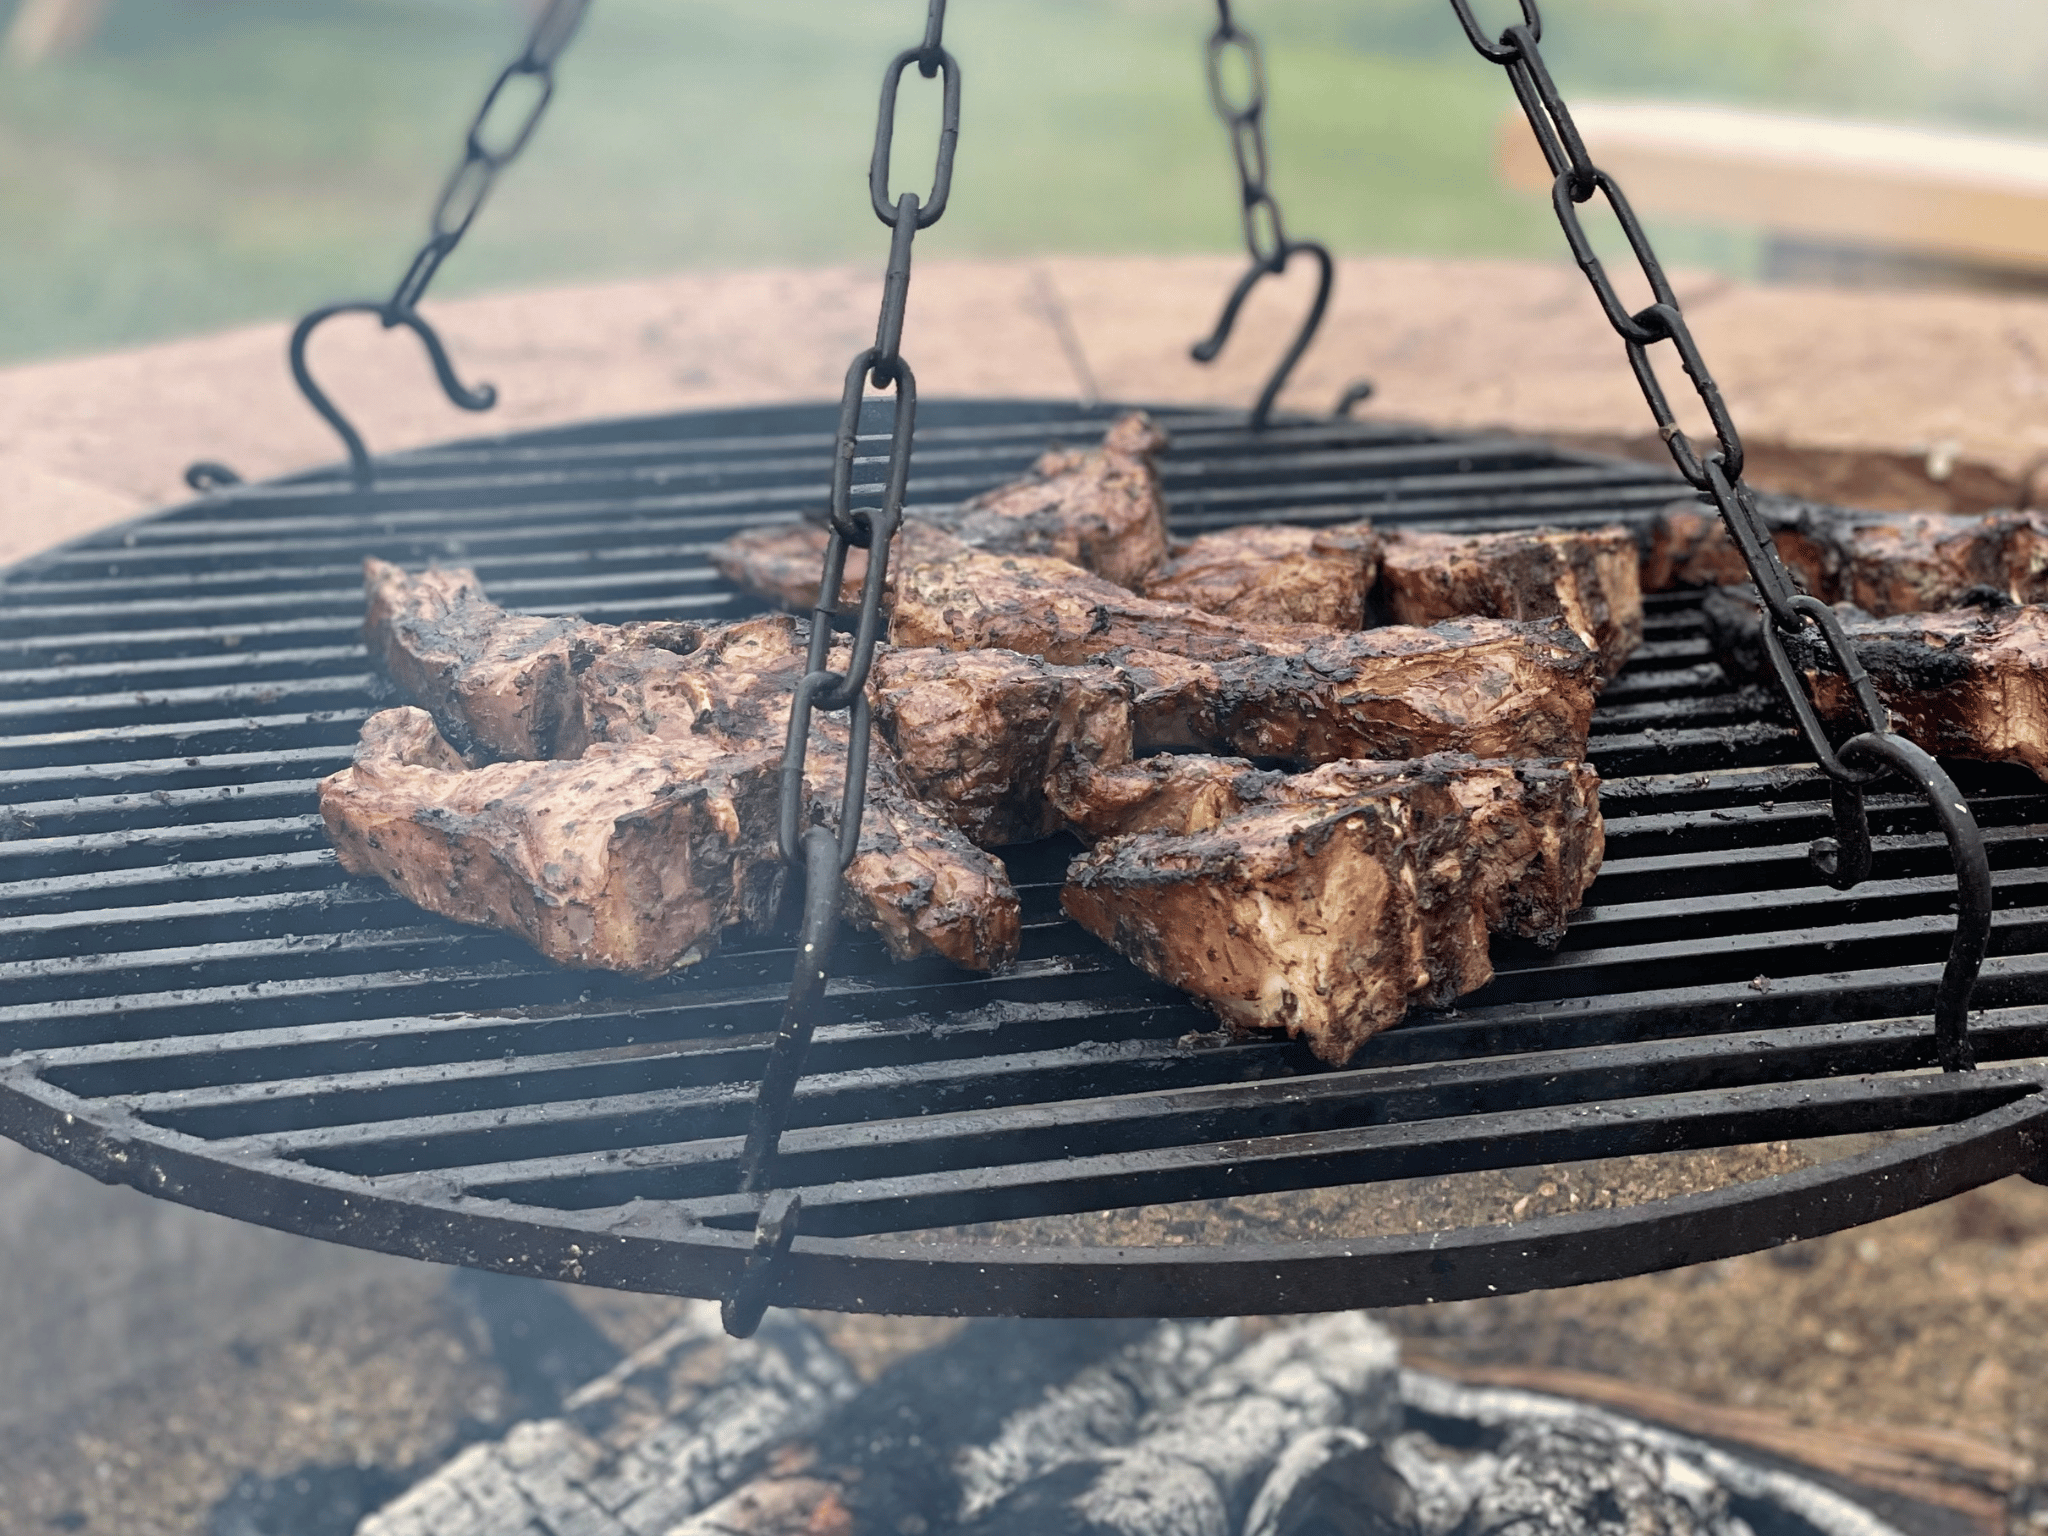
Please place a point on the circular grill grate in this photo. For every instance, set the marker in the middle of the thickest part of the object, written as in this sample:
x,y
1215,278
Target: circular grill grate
x,y
200,1004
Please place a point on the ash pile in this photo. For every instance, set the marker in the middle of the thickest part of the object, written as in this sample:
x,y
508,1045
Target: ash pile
x,y
1035,1428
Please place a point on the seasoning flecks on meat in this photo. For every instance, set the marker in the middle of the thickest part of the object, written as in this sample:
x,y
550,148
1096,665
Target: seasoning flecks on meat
x,y
1968,682
1327,903
1883,562
1100,508
1589,578
629,859
1305,692
979,732
1275,573
917,880
504,683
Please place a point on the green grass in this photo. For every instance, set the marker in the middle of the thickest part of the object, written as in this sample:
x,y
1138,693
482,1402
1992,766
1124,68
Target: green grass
x,y
209,162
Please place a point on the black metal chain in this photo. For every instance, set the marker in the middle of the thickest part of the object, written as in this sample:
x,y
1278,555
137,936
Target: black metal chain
x,y
486,152
823,852
1265,231
1875,750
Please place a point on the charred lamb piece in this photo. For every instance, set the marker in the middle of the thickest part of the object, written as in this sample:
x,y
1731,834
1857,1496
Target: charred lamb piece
x,y
627,858
1883,562
1968,682
1327,903
1275,573
1101,509
917,879
1588,578
1303,692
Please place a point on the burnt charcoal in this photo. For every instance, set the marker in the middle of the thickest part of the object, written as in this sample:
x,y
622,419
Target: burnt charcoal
x,y
892,1455
1883,562
1196,1466
1585,1479
979,732
1100,508
1275,573
1325,904
1334,1482
1969,682
1589,578
1303,692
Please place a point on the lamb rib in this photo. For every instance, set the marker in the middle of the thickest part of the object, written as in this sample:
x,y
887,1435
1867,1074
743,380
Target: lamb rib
x,y
1327,903
1968,682
1101,509
513,684
1587,577
1883,562
1275,573
1303,692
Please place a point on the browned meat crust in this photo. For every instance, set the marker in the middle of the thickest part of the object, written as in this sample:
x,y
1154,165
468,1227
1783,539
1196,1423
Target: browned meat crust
x,y
1326,903
1969,682
1883,562
501,683
1275,573
980,731
1101,509
917,880
1589,578
1299,691
627,859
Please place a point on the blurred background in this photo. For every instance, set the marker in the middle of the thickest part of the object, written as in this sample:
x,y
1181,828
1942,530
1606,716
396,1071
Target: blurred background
x,y
170,166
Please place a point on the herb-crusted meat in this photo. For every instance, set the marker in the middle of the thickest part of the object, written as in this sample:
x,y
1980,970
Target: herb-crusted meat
x,y
1275,573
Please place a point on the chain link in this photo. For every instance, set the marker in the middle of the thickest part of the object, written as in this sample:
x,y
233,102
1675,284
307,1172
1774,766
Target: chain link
x,y
1873,751
823,852
1265,229
485,155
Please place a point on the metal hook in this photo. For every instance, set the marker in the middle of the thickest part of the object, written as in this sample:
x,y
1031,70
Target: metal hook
x,y
743,1310
361,471
1206,351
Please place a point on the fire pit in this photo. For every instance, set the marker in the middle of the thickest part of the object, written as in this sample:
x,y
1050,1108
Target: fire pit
x,y
201,1004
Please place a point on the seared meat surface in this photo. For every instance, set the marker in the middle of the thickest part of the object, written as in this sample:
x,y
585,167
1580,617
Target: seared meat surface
x,y
1298,691
1883,562
1101,509
628,858
1275,573
917,879
980,732
1967,682
1589,578
1327,903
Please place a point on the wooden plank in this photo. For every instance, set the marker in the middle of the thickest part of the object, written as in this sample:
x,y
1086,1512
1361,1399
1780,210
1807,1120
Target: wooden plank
x,y
1972,197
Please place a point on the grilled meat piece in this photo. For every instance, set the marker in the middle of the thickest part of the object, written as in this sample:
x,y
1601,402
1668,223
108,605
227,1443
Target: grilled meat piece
x,y
1326,903
1967,682
979,732
1883,562
628,858
1275,573
1298,691
917,879
1589,578
497,682
1100,508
